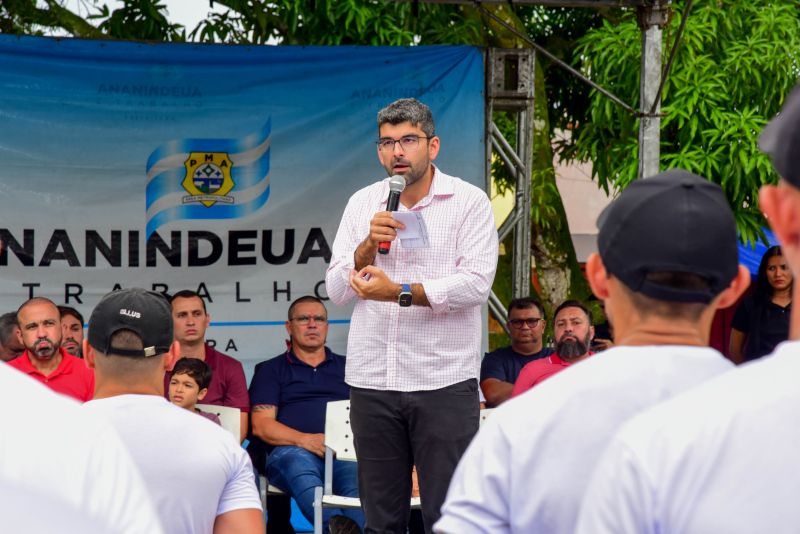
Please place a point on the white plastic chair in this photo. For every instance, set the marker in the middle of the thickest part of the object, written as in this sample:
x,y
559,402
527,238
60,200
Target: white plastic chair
x,y
230,418
338,444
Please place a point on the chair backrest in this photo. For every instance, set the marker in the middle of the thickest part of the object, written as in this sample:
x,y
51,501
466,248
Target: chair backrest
x,y
338,434
229,417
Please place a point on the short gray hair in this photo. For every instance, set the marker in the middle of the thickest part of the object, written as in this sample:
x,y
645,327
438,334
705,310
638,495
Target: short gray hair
x,y
408,110
8,322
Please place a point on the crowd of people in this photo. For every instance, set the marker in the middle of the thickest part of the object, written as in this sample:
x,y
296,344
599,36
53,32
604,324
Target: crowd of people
x,y
653,431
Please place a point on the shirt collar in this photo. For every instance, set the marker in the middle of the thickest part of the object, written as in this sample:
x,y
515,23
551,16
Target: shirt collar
x,y
65,364
441,186
556,360
292,358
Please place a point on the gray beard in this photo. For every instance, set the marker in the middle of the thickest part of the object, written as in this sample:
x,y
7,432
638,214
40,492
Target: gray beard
x,y
570,350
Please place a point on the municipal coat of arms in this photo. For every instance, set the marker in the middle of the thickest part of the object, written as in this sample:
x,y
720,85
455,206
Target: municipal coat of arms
x,y
208,178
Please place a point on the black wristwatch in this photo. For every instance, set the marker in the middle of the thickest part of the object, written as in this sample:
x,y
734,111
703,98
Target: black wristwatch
x,y
404,299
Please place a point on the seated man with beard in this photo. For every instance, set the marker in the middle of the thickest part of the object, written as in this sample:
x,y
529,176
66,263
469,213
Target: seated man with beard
x,y
573,332
44,358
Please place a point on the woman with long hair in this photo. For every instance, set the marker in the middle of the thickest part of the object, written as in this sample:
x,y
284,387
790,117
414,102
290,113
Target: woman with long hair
x,y
762,320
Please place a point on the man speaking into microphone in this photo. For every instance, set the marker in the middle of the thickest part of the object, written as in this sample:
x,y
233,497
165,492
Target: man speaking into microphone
x,y
414,347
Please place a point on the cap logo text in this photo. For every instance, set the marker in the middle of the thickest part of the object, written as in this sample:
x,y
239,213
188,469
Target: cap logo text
x,y
130,313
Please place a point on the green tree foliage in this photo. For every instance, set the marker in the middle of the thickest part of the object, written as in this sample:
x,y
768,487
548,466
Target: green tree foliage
x,y
140,20
560,103
37,18
341,22
736,62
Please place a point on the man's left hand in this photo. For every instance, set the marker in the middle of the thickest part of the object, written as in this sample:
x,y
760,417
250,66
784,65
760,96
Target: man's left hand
x,y
371,283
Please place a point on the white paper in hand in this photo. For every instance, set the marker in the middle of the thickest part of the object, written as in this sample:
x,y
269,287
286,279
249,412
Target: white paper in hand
x,y
415,234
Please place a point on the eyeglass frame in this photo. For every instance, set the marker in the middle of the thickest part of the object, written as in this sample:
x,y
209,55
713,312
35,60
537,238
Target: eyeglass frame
x,y
518,323
304,320
380,142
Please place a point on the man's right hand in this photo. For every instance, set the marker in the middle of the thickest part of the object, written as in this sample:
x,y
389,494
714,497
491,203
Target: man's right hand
x,y
314,443
383,227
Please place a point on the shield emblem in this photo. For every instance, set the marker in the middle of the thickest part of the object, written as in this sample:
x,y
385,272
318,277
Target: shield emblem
x,y
208,178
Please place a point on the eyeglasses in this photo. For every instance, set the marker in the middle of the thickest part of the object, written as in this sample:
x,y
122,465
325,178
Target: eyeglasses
x,y
408,143
303,320
517,323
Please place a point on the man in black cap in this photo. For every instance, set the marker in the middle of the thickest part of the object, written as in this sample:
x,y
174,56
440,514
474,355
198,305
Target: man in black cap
x,y
668,258
723,457
199,477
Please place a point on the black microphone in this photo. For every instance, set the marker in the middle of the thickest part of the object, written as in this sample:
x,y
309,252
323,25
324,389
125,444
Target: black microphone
x,y
396,185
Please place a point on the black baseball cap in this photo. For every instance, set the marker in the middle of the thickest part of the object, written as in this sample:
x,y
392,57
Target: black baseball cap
x,y
780,139
146,313
674,221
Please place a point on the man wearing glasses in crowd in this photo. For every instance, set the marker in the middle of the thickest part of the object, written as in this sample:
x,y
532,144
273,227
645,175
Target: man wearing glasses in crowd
x,y
500,369
289,395
415,334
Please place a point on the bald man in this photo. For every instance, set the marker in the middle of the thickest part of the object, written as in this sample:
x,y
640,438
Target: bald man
x,y
44,359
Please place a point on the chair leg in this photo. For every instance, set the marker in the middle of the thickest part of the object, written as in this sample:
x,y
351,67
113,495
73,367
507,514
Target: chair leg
x,y
261,482
318,510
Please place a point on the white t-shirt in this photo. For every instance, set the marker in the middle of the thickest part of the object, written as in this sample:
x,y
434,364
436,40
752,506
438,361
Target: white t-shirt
x,y
51,449
724,457
193,468
526,469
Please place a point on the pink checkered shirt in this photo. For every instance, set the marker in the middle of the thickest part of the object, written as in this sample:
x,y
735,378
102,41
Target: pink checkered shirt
x,y
419,348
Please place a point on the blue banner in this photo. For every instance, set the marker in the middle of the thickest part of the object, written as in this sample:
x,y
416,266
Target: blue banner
x,y
223,169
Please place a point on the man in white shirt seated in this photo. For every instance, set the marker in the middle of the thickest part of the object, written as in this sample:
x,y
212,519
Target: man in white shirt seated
x,y
199,477
668,258
723,457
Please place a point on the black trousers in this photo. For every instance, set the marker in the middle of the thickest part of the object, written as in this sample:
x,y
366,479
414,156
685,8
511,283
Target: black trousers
x,y
393,431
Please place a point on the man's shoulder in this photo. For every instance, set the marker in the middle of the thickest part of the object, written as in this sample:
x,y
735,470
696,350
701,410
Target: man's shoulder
x,y
536,365
341,358
128,412
16,385
372,190
508,352
273,362
222,358
20,362
627,373
459,185
267,374
765,386
500,353
75,365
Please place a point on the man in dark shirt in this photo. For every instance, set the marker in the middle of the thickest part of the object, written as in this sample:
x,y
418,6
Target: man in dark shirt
x,y
289,394
499,369
228,386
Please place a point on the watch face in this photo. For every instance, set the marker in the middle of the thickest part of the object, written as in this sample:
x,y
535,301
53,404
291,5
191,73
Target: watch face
x,y
405,299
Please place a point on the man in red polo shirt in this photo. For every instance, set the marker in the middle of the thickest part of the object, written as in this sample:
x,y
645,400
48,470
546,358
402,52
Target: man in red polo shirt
x,y
44,359
228,386
573,331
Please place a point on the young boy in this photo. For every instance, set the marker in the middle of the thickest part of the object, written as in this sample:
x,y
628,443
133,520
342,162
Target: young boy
x,y
189,384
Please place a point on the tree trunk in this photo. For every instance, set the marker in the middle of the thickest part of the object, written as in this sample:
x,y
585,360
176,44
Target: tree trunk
x,y
556,264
